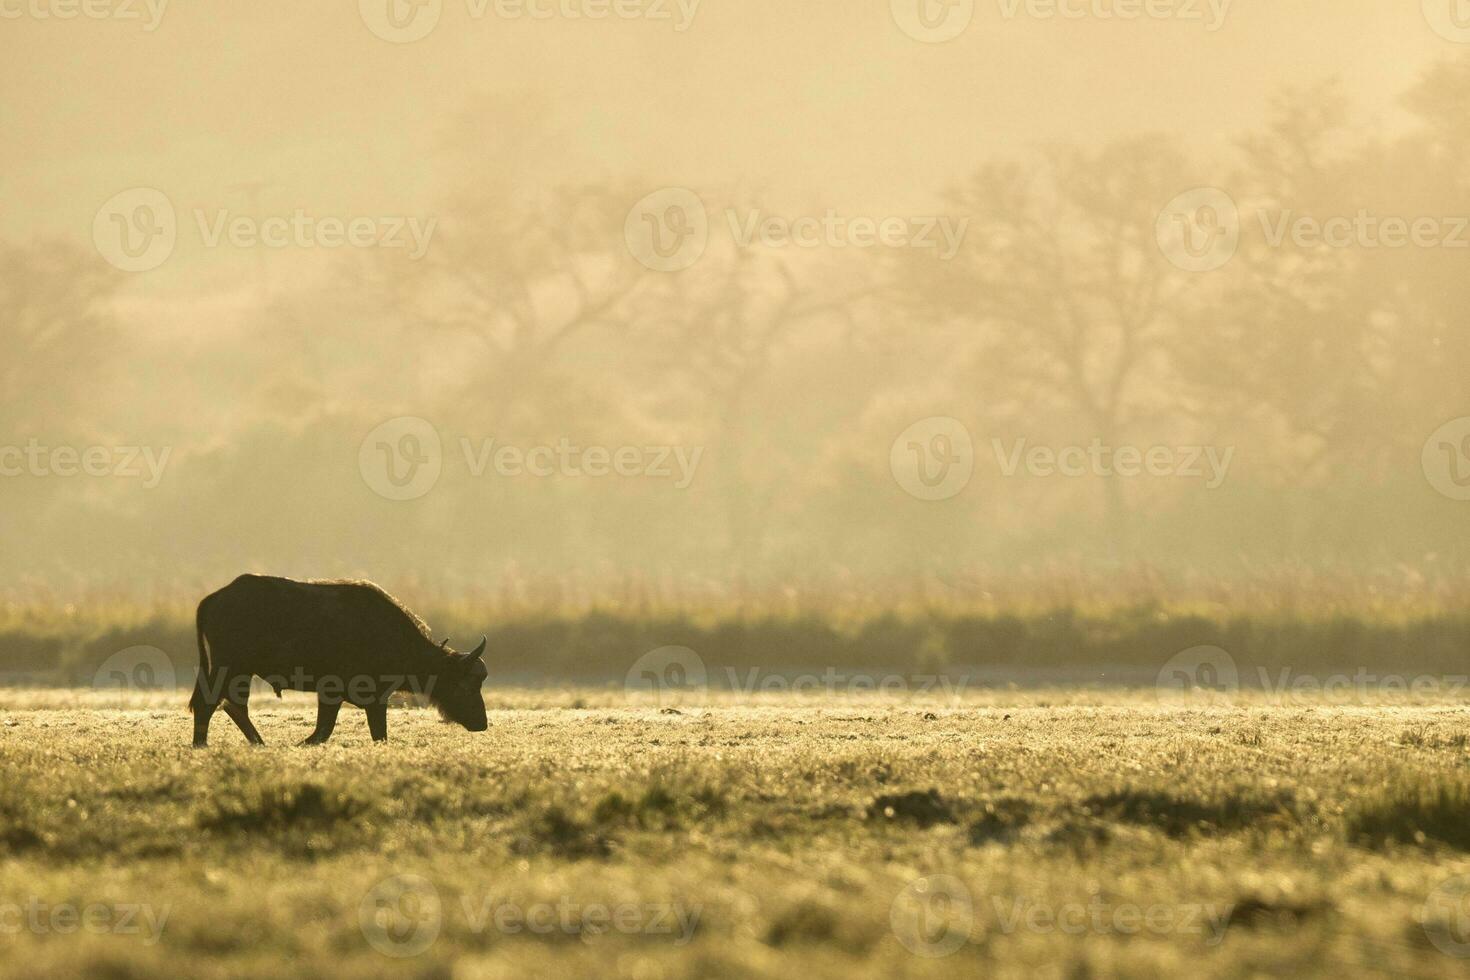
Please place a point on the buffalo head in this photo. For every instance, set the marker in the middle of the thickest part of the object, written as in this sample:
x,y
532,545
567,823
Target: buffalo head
x,y
457,693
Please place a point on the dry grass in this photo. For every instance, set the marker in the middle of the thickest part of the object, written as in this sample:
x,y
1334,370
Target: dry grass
x,y
785,834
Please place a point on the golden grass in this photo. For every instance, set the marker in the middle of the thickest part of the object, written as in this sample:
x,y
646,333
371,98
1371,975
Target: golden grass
x,y
801,836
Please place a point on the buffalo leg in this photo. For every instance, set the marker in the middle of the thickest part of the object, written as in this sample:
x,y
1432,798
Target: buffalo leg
x,y
326,719
202,714
202,704
239,712
378,721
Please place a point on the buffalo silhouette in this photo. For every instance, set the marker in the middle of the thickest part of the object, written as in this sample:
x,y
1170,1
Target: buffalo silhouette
x,y
349,642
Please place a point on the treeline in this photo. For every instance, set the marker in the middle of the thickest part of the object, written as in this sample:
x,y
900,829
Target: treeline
x,y
915,651
1061,322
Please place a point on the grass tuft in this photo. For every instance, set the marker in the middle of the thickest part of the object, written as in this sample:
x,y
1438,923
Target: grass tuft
x,y
1182,816
1414,813
275,808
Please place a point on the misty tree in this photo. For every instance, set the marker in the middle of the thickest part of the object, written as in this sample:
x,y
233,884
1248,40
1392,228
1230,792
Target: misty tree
x,y
1306,334
56,307
521,278
1060,297
723,327
1430,290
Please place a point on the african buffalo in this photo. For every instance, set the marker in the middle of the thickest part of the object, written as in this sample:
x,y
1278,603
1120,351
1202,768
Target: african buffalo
x,y
346,641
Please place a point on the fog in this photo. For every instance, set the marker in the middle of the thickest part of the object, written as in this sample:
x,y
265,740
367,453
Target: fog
x,y
706,294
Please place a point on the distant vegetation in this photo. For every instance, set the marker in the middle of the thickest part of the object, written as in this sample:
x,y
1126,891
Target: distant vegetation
x,y
1118,630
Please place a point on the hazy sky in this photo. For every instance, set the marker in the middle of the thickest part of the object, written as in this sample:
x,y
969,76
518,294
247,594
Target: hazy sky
x,y
825,101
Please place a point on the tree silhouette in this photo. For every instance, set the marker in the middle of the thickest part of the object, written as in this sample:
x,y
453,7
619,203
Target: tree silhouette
x,y
55,307
1060,294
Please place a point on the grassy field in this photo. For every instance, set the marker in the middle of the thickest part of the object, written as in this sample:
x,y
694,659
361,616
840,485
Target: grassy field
x,y
1042,834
